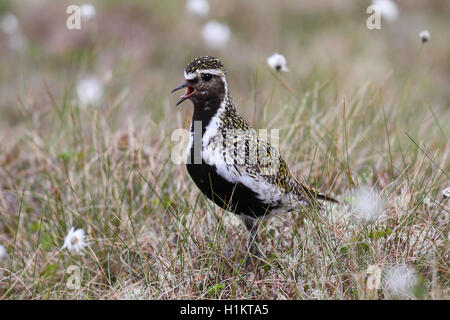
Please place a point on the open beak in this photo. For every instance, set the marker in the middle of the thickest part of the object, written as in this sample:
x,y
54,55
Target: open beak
x,y
189,92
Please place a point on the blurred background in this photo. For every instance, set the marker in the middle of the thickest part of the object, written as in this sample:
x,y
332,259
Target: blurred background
x,y
134,52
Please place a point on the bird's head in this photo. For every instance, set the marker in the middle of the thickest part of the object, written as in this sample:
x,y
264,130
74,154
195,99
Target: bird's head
x,y
205,81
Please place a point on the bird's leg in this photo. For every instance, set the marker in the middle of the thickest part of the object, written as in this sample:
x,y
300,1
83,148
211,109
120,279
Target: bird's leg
x,y
252,225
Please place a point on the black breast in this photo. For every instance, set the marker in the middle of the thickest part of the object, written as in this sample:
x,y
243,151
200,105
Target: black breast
x,y
234,197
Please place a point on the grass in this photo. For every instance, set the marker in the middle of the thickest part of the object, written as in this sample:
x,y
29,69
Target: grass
x,y
343,124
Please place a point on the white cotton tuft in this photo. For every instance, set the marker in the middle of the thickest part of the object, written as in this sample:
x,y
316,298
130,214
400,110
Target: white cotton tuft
x,y
388,9
400,280
215,34
89,91
74,241
9,24
87,11
367,204
446,192
277,62
3,252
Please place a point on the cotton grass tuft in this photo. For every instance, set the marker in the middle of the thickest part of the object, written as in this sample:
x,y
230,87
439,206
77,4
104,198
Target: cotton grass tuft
x,y
400,280
367,204
74,241
277,62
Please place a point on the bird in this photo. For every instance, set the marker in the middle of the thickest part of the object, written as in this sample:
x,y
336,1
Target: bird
x,y
229,162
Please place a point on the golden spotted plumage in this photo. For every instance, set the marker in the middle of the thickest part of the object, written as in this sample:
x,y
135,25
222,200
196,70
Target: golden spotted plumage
x,y
237,169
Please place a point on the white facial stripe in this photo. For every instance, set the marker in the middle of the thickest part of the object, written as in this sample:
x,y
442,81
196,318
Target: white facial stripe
x,y
192,75
189,76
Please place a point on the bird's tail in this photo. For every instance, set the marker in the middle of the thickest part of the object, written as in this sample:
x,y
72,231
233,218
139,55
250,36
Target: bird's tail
x,y
313,194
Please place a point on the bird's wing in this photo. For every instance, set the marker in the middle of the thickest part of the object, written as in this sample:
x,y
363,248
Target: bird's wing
x,y
274,169
252,161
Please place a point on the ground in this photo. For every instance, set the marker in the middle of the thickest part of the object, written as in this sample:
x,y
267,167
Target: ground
x,y
358,109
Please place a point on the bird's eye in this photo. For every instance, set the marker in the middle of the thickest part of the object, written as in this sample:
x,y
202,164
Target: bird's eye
x,y
206,77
